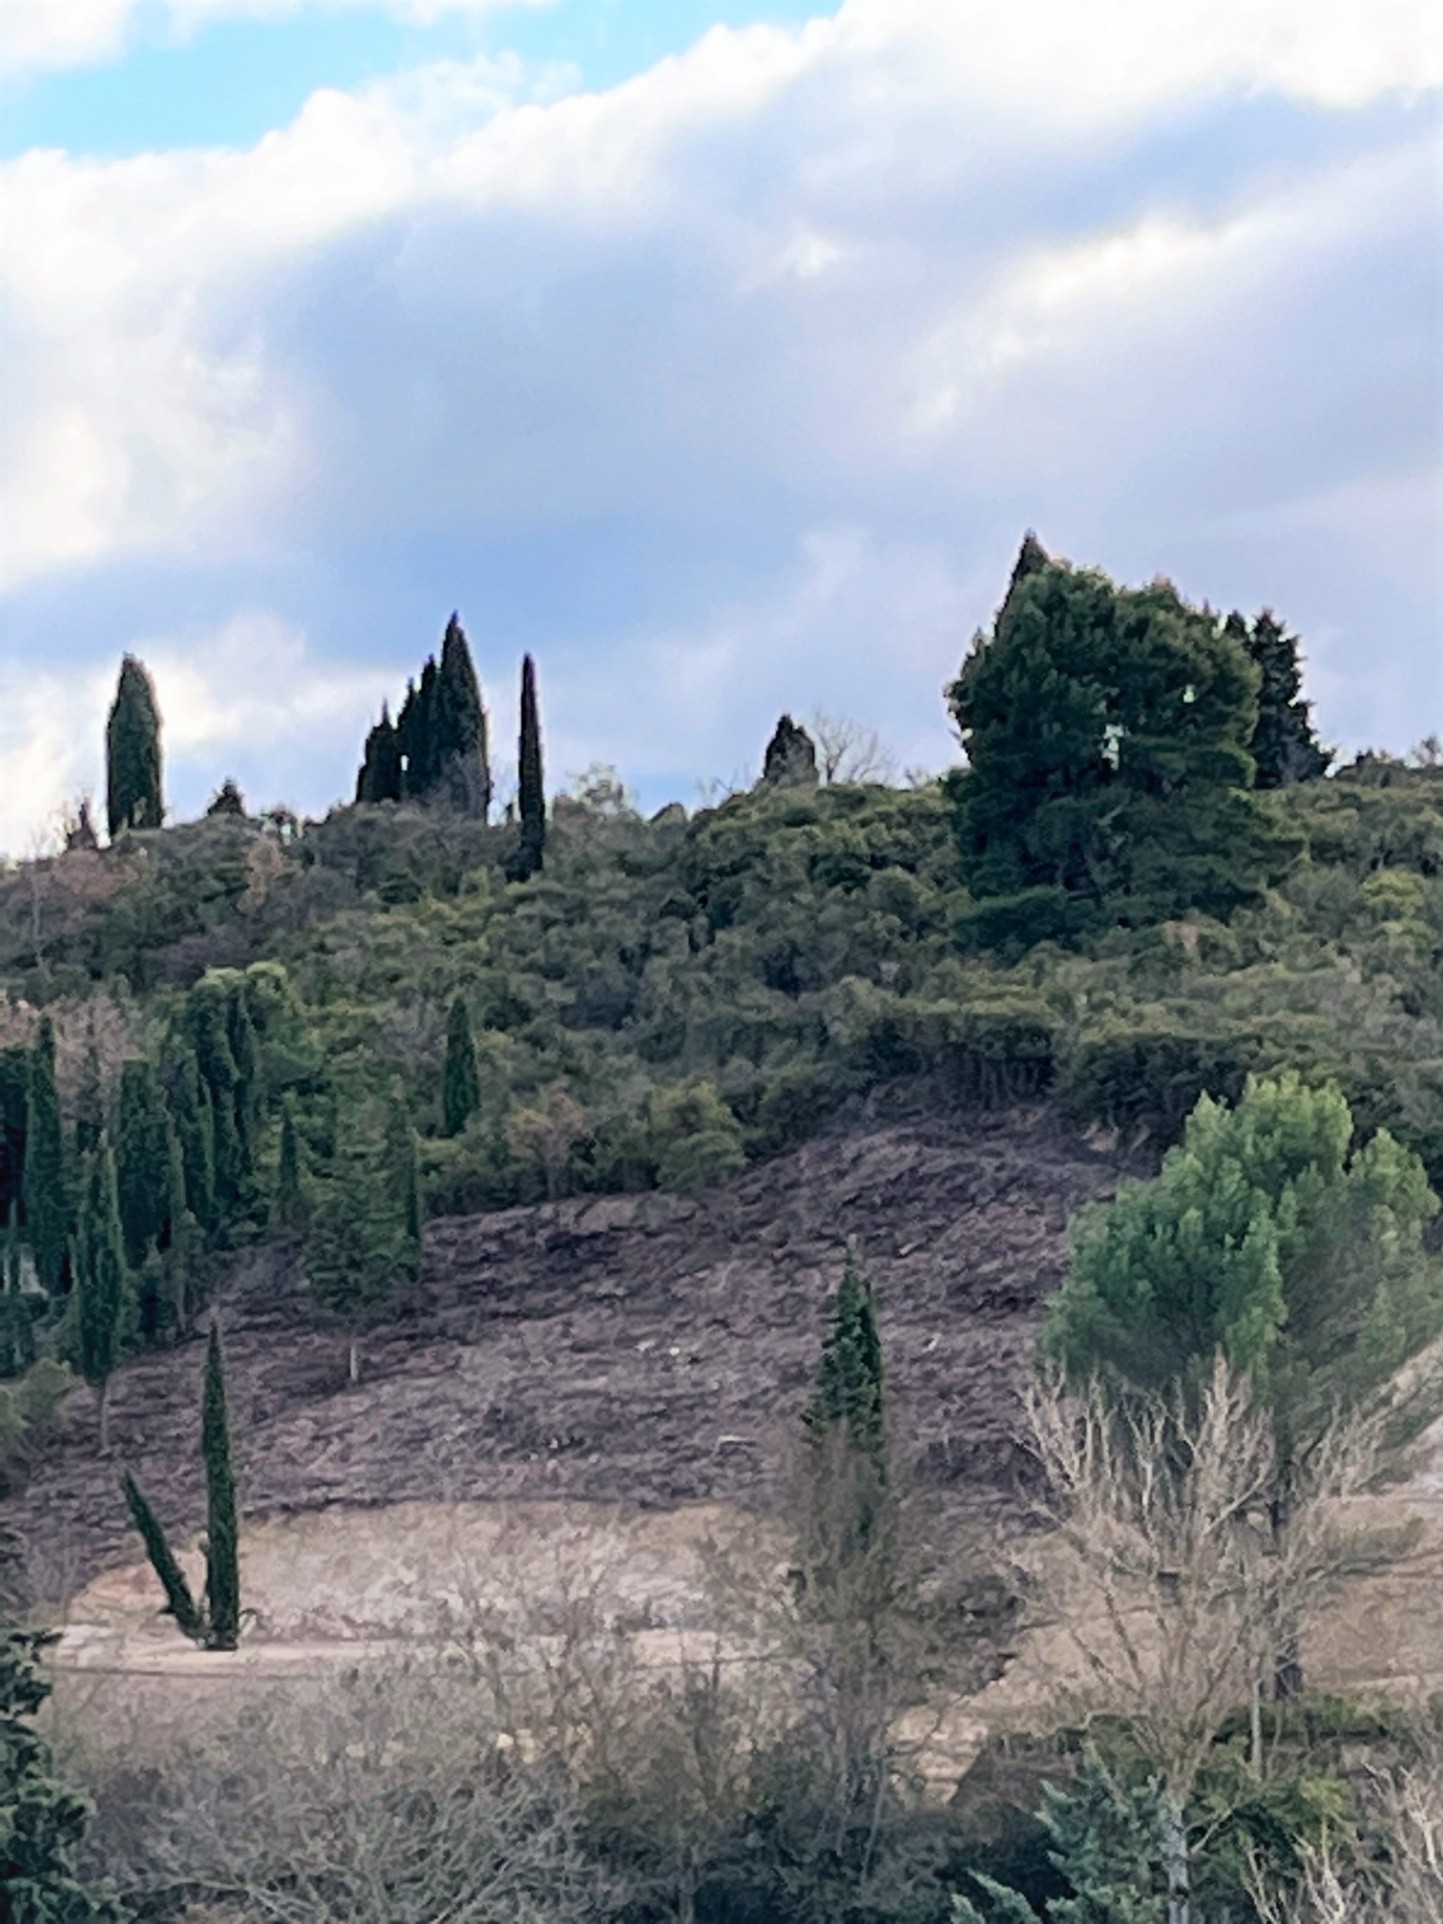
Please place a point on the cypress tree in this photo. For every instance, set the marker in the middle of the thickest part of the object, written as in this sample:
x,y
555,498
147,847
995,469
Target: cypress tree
x,y
379,779
849,1386
1284,746
290,1196
463,769
101,1283
461,1081
89,1102
222,1542
212,1030
47,1191
403,1176
132,753
142,1161
191,1117
527,859
249,1090
180,1603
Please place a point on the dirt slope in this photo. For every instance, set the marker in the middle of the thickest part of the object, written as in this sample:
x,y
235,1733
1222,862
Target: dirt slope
x,y
644,1350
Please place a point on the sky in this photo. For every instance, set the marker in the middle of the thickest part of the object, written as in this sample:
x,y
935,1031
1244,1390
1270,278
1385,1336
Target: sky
x,y
718,354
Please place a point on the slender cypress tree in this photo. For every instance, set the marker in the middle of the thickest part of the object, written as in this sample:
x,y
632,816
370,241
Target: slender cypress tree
x,y
180,1603
89,1102
142,1161
463,769
530,850
290,1196
222,1542
191,1116
211,1030
132,753
46,1187
379,779
461,1081
101,1282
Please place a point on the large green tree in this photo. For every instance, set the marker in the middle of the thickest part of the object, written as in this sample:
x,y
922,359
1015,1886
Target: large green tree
x,y
47,1185
463,768
363,1240
42,1821
1108,771
133,797
1270,1235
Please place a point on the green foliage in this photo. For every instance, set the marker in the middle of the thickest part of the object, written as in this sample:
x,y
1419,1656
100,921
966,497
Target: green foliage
x,y
180,1602
1284,747
289,1207
436,750
222,1541
461,1083
363,1239
142,1161
47,1190
531,794
133,797
1270,1236
194,1128
42,1823
849,1393
695,1139
1108,1841
102,1283
1107,736
30,1409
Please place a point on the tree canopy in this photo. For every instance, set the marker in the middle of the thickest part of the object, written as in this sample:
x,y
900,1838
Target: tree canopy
x,y
133,795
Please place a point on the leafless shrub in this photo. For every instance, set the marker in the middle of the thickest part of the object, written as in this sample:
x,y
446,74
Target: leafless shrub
x,y
848,751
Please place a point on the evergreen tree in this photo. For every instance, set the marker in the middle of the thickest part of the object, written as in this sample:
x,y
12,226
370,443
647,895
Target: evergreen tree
x,y
194,1127
249,1087
416,735
527,858
357,1247
290,1197
379,779
1108,775
846,1549
791,757
463,769
42,1823
460,1081
1284,745
89,1102
211,1031
142,1161
849,1391
132,753
222,1541
180,1602
101,1282
47,1188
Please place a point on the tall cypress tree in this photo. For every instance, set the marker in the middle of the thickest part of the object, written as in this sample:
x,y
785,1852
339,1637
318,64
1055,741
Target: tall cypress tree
x,y
290,1197
1284,745
101,1282
463,768
46,1184
191,1116
530,850
212,1031
133,797
460,1082
222,1541
142,1161
379,779
180,1602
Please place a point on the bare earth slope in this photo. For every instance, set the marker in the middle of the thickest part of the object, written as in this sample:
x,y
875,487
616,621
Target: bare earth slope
x,y
645,1350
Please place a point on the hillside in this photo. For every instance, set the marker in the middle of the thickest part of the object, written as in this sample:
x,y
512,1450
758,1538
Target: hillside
x,y
647,1350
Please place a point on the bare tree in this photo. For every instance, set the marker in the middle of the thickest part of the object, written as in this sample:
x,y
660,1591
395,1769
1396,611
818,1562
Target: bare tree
x,y
1163,1571
848,751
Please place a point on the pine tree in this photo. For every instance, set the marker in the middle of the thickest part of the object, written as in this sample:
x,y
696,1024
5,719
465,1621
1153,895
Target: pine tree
x,y
290,1198
849,1389
528,856
460,1081
222,1541
132,753
142,1161
42,1823
46,1182
379,779
463,769
180,1602
1284,746
101,1282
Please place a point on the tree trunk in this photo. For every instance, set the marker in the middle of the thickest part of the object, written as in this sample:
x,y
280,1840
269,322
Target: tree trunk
x,y
353,1359
1175,1852
1287,1656
102,1394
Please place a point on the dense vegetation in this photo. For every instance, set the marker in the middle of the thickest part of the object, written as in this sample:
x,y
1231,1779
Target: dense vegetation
x,y
1143,900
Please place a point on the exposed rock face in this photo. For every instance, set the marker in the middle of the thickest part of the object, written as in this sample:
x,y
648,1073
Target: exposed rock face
x,y
791,757
650,1349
